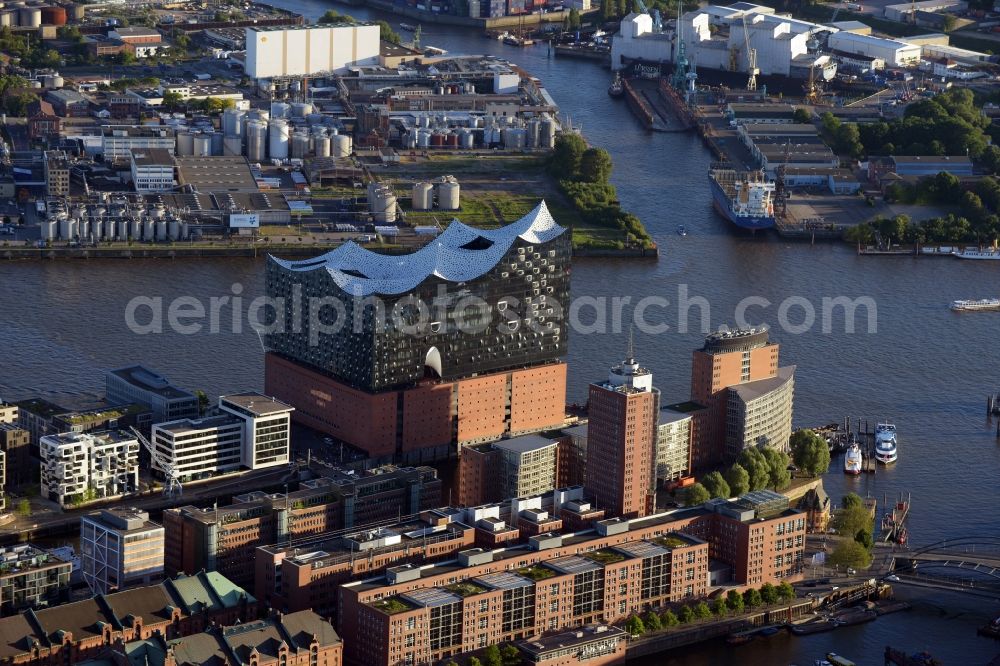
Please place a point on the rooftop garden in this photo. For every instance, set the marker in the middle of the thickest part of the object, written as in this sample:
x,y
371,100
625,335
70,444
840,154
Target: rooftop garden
x,y
604,556
391,605
465,588
536,572
670,541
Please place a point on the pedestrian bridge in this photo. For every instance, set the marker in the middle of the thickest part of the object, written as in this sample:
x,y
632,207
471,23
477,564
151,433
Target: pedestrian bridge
x,y
965,562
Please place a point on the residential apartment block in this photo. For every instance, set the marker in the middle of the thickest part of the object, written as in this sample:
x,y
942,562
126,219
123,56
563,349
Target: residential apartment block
x,y
8,413
31,578
15,443
77,467
138,384
120,548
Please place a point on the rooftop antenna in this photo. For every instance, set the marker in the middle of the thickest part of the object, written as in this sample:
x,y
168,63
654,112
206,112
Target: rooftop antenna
x,y
630,352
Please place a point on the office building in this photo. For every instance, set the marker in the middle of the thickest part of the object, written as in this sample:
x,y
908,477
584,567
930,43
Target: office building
x,y
118,141
56,173
267,425
87,466
120,548
31,578
15,443
77,632
598,645
479,360
621,440
152,170
732,369
42,120
290,51
428,613
197,448
674,436
516,467
224,538
138,384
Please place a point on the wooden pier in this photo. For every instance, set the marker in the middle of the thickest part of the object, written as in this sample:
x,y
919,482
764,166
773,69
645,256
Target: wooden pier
x,y
894,521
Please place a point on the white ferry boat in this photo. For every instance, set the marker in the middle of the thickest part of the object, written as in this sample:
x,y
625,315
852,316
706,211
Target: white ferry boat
x,y
852,460
885,443
972,306
973,253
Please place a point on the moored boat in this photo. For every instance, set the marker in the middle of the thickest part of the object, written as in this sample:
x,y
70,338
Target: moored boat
x,y
745,198
617,87
682,230
973,253
885,443
852,460
974,305
837,660
408,27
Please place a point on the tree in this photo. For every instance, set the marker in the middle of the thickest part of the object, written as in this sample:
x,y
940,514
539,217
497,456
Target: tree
x,y
847,140
23,508
451,662
566,156
702,611
511,655
768,593
852,500
634,626
491,656
473,661
595,165
172,100
752,598
738,480
202,401
652,621
848,522
864,537
685,614
716,485
333,16
753,461
777,465
669,619
785,591
696,494
719,607
850,553
387,34
735,601
802,115
810,452
948,22
573,20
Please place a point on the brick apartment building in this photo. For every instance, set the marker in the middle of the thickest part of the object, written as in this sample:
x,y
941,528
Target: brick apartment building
x,y
72,633
416,389
224,538
422,614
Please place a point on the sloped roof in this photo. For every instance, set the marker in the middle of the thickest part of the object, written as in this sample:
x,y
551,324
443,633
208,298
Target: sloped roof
x,y
148,603
461,253
303,625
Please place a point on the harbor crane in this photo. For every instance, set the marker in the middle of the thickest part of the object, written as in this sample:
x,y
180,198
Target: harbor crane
x,y
752,70
172,488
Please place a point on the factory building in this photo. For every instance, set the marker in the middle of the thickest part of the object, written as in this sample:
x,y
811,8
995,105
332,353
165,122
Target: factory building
x,y
284,51
903,12
118,141
894,52
152,170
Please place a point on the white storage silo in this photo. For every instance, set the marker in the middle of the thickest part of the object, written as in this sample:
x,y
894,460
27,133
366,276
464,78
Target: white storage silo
x,y
423,138
122,233
97,228
185,231
135,229
448,193
185,144
301,109
279,110
232,145
278,140
67,228
256,141
83,228
202,145
232,122
49,229
322,143
161,229
341,145
300,144
8,19
174,229
409,139
217,142
533,132
423,196
466,139
547,133
258,114
30,17
148,229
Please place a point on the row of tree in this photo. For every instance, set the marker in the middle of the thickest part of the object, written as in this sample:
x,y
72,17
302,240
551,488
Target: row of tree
x,y
733,602
386,33
854,522
508,655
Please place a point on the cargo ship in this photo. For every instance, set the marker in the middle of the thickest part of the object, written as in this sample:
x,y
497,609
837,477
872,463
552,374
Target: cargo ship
x,y
745,198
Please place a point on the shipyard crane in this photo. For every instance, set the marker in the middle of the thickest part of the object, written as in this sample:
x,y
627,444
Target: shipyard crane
x,y
752,70
172,488
641,7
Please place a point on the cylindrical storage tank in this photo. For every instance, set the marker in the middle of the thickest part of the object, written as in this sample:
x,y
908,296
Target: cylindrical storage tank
x,y
232,122
161,229
409,139
448,195
341,145
135,229
279,110
80,212
466,139
202,145
174,229
300,145
122,230
278,140
423,196
423,138
185,144
185,231
57,81
232,145
76,12
301,109
54,15
29,17
49,229
547,134
451,140
314,118
148,229
323,146
67,228
159,211
8,19
437,140
217,142
258,114
256,141
83,228
534,127
97,228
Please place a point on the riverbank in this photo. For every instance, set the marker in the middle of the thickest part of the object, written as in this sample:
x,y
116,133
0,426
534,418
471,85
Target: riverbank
x,y
501,22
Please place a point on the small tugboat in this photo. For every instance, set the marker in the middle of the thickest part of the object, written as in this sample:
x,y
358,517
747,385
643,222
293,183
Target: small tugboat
x,y
617,87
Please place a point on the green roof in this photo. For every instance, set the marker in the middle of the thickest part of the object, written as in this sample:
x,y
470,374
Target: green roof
x,y
392,605
671,541
536,572
604,556
465,588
